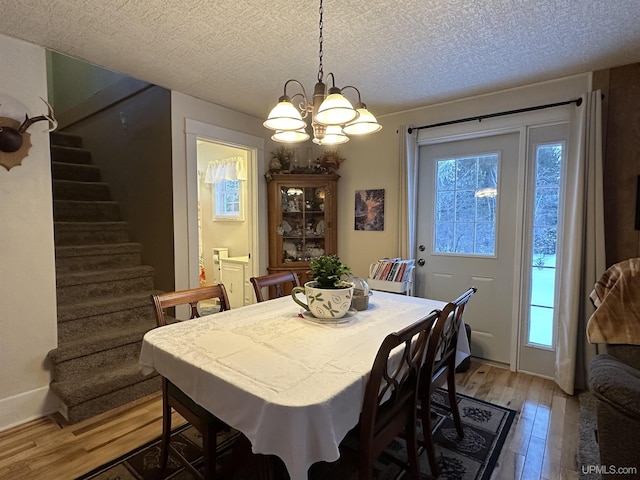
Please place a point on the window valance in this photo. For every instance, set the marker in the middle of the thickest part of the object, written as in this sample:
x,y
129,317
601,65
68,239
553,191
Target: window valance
x,y
232,168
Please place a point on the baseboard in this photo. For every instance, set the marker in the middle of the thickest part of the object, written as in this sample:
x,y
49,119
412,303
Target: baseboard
x,y
27,406
491,363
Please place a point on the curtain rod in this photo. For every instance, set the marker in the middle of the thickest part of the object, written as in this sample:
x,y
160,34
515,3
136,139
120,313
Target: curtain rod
x,y
577,101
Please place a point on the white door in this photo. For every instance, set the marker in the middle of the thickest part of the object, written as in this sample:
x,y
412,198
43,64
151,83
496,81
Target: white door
x,y
466,234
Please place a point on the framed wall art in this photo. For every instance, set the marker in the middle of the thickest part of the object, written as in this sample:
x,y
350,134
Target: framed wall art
x,y
369,210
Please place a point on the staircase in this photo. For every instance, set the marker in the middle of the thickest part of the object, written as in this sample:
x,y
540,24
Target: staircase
x,y
103,291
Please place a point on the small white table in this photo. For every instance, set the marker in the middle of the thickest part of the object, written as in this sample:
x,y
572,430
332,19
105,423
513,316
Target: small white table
x,y
293,387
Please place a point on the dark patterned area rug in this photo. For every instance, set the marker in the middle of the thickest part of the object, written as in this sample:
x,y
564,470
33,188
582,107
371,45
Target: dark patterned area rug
x,y
472,458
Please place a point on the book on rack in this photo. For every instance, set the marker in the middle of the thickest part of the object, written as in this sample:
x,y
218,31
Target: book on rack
x,y
391,269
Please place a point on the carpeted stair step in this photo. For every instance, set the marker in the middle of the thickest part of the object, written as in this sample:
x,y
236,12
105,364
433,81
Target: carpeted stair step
x,y
78,287
74,210
103,306
72,171
73,190
88,395
72,330
90,233
97,257
65,139
79,319
70,155
95,349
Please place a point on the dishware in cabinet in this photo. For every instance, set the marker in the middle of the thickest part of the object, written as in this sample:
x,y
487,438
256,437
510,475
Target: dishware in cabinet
x,y
302,220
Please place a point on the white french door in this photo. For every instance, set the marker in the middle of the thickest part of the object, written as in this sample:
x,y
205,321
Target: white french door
x,y
467,234
490,215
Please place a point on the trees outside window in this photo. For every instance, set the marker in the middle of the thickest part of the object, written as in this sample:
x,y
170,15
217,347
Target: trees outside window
x,y
465,206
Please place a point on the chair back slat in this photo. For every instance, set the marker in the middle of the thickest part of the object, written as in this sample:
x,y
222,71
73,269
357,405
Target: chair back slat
x,y
392,384
276,280
191,297
441,351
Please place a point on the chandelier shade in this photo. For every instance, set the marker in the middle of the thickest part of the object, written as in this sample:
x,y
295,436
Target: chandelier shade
x,y
336,110
331,135
365,123
284,116
332,115
290,136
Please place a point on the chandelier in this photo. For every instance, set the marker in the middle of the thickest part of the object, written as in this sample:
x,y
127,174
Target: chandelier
x,y
333,117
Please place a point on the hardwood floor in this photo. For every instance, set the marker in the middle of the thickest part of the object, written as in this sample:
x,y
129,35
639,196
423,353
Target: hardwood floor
x,y
542,442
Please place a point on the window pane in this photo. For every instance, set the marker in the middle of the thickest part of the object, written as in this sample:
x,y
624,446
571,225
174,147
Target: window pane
x,y
466,177
487,172
465,205
548,165
227,199
544,241
445,206
464,238
486,209
546,207
485,238
446,175
544,232
543,281
444,237
541,326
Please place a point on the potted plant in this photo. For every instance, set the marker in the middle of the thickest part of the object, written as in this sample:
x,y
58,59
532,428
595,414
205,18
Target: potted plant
x,y
328,271
328,294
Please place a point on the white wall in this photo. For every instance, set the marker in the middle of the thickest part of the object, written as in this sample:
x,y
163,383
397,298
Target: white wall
x,y
373,161
185,107
72,81
28,324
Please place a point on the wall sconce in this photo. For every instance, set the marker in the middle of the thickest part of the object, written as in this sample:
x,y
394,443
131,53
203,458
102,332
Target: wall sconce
x,y
13,148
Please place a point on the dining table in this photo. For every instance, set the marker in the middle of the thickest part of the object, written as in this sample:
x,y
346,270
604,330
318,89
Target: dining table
x,y
291,383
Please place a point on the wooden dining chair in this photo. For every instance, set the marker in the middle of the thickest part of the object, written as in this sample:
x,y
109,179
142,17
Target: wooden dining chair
x,y
389,406
276,280
439,368
172,397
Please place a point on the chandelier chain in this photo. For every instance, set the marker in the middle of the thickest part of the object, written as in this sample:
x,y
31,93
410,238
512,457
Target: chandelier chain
x,y
320,53
331,115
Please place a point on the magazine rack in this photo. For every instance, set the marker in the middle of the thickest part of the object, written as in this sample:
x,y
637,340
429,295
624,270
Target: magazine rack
x,y
405,286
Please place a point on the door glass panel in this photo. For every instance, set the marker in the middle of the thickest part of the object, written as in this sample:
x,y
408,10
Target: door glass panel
x,y
465,206
546,198
302,226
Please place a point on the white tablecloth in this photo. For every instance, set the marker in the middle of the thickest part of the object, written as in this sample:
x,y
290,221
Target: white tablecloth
x,y
292,386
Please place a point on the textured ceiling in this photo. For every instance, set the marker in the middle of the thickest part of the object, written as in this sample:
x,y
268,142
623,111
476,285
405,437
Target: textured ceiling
x,y
400,54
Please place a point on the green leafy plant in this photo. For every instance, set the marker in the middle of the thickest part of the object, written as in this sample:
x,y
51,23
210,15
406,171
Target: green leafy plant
x,y
328,271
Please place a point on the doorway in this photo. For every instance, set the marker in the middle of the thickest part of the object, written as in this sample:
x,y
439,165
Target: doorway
x,y
530,178
223,227
466,233
222,212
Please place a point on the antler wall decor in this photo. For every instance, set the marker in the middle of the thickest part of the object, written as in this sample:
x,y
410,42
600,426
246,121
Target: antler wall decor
x,y
15,141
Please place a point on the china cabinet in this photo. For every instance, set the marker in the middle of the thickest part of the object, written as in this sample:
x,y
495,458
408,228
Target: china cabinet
x,y
302,220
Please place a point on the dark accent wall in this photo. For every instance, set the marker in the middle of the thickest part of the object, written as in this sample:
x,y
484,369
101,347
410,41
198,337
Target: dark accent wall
x,y
621,130
131,143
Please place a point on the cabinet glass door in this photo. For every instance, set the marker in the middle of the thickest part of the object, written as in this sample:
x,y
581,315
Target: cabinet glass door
x,y
302,226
